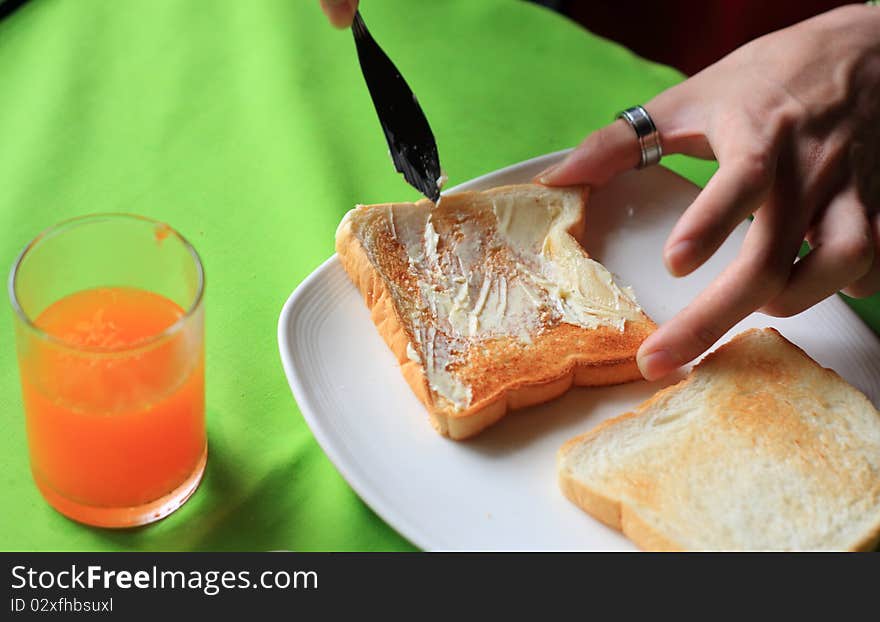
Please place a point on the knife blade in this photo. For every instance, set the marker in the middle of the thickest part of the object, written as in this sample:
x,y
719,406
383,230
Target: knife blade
x,y
410,139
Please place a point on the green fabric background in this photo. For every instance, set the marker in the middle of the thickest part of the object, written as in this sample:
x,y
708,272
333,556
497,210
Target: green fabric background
x,y
247,126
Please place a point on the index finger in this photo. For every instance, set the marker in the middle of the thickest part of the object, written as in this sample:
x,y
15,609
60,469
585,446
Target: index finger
x,y
601,155
756,276
614,149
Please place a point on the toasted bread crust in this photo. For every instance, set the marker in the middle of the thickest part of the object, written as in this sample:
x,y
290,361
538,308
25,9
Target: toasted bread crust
x,y
615,515
619,515
561,357
610,511
382,310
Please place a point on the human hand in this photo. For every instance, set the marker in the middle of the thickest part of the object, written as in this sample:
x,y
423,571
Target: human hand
x,y
793,119
340,12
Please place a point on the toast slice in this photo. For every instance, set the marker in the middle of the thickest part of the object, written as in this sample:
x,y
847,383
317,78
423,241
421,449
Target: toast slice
x,y
488,301
759,448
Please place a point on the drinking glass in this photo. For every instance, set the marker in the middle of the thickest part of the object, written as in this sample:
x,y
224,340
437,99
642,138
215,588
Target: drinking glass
x,y
109,327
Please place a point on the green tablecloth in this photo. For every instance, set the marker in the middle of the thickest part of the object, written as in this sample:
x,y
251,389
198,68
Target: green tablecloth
x,y
247,126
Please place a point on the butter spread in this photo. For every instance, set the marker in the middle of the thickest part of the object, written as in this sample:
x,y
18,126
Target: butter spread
x,y
411,353
510,269
441,181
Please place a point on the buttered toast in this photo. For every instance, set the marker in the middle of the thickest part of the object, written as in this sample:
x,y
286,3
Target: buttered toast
x,y
759,448
489,302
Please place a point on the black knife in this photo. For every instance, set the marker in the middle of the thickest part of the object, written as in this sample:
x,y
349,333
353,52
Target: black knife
x,y
409,136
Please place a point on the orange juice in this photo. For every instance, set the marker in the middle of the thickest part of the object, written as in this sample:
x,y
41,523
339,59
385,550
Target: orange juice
x,y
114,403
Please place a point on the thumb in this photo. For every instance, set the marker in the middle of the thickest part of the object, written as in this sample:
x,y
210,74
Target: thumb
x,y
339,12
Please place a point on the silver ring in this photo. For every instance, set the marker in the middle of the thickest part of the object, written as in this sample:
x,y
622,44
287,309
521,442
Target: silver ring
x,y
649,138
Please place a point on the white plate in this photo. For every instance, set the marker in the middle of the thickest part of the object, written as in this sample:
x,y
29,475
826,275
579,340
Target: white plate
x,y
498,490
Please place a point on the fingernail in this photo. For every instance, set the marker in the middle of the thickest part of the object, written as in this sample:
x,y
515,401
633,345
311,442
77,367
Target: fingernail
x,y
544,176
680,257
656,364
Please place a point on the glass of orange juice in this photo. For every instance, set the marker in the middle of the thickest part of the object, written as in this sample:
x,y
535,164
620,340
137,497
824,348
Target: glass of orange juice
x,y
109,325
